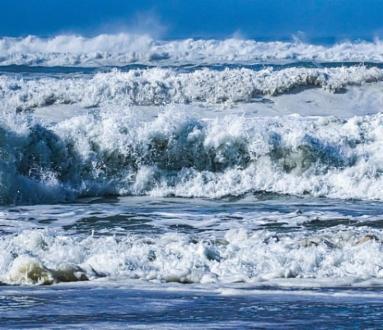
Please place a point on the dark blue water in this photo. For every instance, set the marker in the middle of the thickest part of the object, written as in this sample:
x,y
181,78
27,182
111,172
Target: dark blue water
x,y
110,307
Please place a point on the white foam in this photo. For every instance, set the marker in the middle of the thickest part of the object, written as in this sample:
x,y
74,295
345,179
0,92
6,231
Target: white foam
x,y
122,49
158,86
347,255
176,154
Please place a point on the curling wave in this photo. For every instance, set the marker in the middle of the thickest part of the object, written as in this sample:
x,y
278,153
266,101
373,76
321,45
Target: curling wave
x,y
175,154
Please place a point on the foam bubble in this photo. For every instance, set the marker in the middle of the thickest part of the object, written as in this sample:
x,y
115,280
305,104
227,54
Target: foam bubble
x,y
348,255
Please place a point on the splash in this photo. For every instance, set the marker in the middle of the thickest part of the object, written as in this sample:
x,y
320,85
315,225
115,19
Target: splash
x,y
157,86
121,49
177,154
347,256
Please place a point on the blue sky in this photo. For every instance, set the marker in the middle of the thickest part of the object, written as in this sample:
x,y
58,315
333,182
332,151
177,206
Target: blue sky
x,y
271,19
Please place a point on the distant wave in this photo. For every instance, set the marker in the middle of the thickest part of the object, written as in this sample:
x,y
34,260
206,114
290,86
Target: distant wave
x,y
122,49
158,86
178,155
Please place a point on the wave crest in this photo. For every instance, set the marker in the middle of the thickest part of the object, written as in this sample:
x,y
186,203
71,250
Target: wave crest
x,y
176,154
156,86
122,49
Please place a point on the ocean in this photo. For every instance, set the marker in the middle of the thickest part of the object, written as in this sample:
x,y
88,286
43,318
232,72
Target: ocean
x,y
190,183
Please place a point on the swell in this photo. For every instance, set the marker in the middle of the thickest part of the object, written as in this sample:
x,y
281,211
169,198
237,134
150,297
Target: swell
x,y
122,49
158,86
177,155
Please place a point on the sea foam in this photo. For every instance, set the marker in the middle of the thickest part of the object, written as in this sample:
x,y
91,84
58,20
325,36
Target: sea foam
x,y
158,86
122,49
345,255
177,154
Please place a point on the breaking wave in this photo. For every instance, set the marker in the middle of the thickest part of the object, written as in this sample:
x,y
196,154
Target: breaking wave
x,y
109,153
158,86
336,256
122,49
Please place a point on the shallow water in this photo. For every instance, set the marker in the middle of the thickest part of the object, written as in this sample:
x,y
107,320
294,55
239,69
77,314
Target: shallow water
x,y
115,307
189,238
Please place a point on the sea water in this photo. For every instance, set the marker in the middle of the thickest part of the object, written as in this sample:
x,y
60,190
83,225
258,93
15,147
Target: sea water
x,y
190,183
